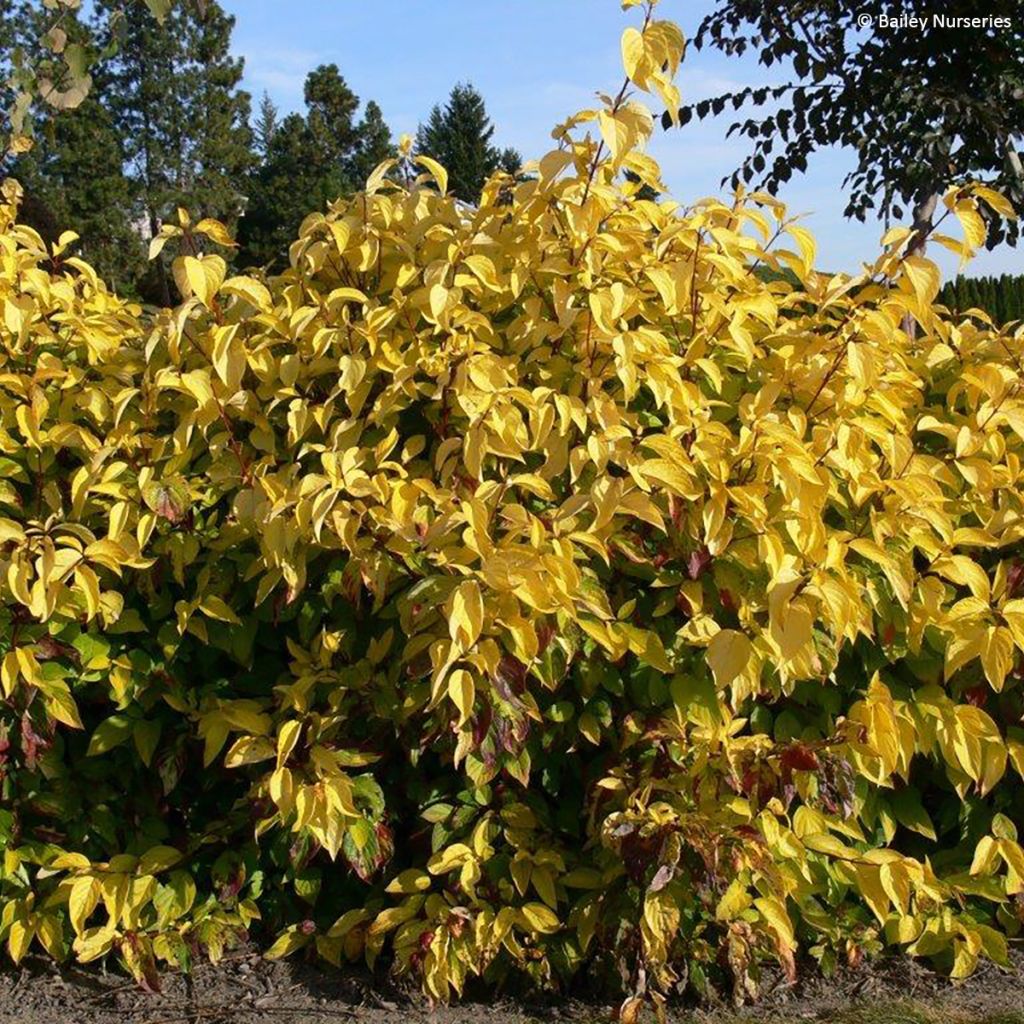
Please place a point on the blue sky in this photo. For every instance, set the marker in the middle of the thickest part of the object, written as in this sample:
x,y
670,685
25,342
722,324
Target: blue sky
x,y
535,62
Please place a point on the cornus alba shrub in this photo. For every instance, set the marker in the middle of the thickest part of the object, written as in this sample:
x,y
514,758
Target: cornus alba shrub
x,y
551,588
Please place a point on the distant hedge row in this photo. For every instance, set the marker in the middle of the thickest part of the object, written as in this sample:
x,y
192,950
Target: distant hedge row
x,y
1001,297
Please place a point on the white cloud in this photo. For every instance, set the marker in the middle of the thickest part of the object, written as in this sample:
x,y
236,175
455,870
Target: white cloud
x,y
281,71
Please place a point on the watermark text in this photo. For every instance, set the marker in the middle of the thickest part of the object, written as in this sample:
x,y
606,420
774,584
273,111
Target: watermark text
x,y
923,21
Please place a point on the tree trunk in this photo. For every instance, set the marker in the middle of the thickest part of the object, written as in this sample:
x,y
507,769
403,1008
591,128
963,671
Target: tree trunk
x,y
924,211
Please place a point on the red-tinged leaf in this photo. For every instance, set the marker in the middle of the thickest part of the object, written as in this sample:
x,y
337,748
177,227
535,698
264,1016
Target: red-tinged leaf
x,y
800,758
170,500
48,648
661,878
698,563
1014,579
978,695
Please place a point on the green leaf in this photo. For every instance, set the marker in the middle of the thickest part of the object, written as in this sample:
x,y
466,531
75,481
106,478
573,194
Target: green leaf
x,y
160,9
117,729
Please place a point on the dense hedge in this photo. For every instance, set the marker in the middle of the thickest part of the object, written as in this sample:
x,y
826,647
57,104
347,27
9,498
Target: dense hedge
x,y
1001,297
521,590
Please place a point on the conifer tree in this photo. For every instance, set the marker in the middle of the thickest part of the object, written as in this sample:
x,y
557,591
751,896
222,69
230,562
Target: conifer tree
x,y
175,101
266,124
310,161
74,176
459,136
962,298
373,144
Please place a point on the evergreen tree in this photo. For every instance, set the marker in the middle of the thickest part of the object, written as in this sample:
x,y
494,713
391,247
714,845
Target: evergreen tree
x,y
74,176
284,188
459,137
222,145
432,137
1016,305
988,295
373,145
309,162
266,124
75,181
331,107
175,101
963,299
510,161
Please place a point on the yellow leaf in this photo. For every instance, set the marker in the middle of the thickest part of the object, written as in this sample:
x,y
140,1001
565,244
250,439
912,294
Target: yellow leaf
x,y
634,55
287,943
204,275
89,586
439,173
466,618
923,276
19,938
449,859
287,737
82,901
616,134
409,881
728,655
215,231
537,917
774,913
997,655
462,690
998,202
217,608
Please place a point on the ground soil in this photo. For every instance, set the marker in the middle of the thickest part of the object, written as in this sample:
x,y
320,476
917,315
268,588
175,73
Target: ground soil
x,y
244,989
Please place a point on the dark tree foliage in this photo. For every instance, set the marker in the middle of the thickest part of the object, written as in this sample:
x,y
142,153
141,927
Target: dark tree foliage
x,y
925,105
310,161
163,125
175,101
331,108
458,135
1001,297
373,143
266,124
77,179
74,177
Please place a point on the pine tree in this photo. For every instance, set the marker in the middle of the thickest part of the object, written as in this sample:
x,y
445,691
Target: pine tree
x,y
1003,298
432,137
1017,298
309,162
988,295
283,189
459,137
331,107
175,101
961,301
266,124
510,160
222,147
74,176
373,144
75,180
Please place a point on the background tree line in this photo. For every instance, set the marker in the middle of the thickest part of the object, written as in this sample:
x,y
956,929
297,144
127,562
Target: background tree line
x,y
1001,297
166,123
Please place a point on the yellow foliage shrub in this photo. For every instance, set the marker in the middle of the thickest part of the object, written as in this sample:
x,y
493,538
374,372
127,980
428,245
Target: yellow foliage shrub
x,y
572,580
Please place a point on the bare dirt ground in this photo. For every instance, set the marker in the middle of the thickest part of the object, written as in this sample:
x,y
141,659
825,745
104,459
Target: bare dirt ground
x,y
244,989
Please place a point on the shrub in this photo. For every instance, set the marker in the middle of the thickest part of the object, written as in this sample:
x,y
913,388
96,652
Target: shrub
x,y
522,590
